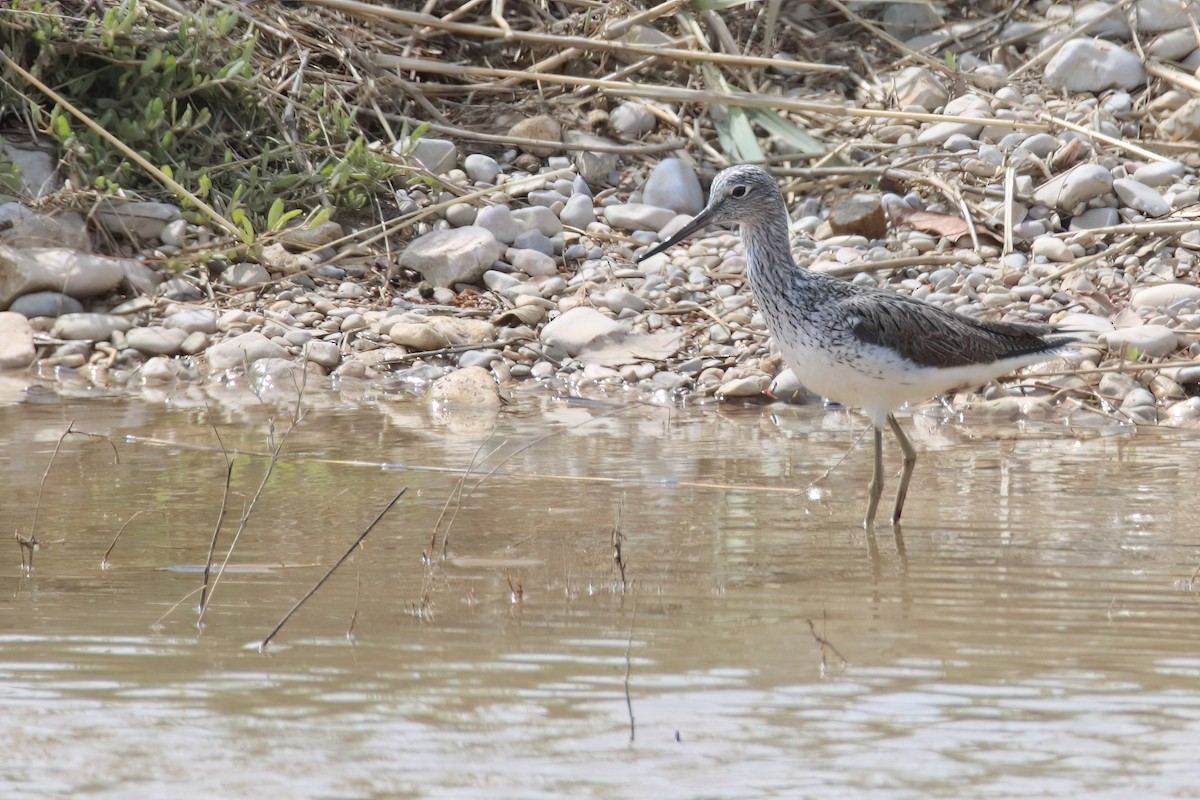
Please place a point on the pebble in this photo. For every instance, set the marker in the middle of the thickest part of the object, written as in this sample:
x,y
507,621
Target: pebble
x,y
1093,65
593,166
97,327
578,212
1163,295
539,217
243,349
439,156
638,217
58,269
471,387
1137,195
241,276
1160,173
136,220
1075,187
1154,341
917,86
481,168
532,263
459,255
631,120
673,184
156,340
45,304
574,330
192,319
325,354
541,129
499,221
16,341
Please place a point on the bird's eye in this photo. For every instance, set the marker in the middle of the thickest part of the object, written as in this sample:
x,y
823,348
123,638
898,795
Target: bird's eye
x,y
739,191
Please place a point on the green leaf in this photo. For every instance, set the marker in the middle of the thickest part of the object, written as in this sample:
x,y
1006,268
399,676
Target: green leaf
x,y
274,214
786,131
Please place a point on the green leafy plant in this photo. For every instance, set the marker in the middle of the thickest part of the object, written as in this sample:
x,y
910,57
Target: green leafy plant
x,y
190,95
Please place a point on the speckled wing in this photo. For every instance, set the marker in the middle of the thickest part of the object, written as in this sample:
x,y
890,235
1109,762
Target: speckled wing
x,y
931,336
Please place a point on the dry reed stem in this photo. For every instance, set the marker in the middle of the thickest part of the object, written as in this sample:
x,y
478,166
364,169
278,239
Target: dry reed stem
x,y
1111,141
704,97
104,563
589,45
262,646
212,544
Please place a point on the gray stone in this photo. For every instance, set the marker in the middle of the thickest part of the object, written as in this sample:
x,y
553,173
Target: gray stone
x,y
1163,295
1140,197
1183,123
243,275
155,340
180,289
326,354
481,168
534,240
196,342
244,349
1052,249
36,166
917,86
541,129
1095,218
632,120
539,217
532,263
906,20
1172,45
160,369
1162,15
618,300
192,320
578,212
45,304
460,255
593,166
573,330
28,229
1160,173
137,220
471,387
638,216
1116,385
96,327
174,233
1074,187
1093,65
500,222
16,341
439,156
1155,341
350,290
303,237
673,184
57,269
461,214
750,386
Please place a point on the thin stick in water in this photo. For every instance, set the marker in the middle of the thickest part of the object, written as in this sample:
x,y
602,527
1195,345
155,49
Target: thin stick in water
x,y
263,644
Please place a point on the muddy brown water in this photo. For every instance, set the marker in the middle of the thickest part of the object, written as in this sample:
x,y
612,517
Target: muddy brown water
x,y
1029,633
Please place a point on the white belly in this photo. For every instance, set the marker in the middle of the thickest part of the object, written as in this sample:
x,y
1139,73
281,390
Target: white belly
x,y
878,381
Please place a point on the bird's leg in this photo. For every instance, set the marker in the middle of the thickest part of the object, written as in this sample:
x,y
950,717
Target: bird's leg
x,y
876,487
910,461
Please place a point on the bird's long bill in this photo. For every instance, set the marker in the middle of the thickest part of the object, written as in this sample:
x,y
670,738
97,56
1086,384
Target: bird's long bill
x,y
699,223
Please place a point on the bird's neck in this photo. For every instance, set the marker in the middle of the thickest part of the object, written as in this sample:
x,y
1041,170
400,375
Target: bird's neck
x,y
769,252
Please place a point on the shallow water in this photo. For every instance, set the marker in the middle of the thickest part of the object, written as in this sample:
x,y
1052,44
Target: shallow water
x,y
1029,632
